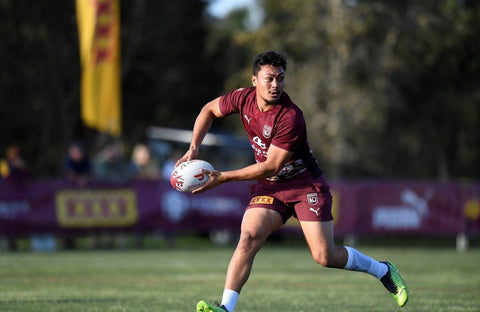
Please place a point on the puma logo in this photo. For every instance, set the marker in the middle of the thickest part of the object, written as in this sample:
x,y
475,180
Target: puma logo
x,y
248,119
317,211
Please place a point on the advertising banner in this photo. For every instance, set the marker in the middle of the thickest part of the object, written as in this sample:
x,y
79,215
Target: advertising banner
x,y
57,207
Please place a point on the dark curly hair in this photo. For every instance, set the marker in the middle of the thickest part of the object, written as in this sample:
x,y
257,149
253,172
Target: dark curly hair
x,y
272,58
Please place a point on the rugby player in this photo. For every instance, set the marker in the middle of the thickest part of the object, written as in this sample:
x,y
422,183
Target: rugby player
x,y
289,182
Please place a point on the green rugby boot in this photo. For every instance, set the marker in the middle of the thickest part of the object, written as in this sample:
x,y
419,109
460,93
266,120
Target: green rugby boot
x,y
203,306
394,283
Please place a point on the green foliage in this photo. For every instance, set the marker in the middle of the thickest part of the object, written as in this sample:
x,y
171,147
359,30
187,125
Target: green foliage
x,y
166,69
389,88
39,81
165,75
435,73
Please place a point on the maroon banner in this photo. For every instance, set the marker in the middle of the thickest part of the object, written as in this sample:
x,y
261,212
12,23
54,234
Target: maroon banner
x,y
57,207
426,208
141,206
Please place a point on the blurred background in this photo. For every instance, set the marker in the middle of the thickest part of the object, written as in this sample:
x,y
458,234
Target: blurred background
x,y
390,89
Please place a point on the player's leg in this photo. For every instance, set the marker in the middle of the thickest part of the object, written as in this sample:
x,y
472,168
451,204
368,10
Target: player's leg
x,y
320,239
257,225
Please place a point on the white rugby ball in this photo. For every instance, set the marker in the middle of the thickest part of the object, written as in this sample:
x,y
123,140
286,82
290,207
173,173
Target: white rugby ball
x,y
188,176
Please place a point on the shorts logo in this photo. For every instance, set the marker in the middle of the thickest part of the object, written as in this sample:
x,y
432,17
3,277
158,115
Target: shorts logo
x,y
267,131
316,211
312,198
262,200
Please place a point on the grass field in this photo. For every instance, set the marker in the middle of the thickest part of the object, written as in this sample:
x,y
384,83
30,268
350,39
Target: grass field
x,y
283,279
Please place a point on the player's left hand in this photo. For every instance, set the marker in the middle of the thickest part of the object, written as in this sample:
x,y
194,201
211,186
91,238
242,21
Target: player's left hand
x,y
214,180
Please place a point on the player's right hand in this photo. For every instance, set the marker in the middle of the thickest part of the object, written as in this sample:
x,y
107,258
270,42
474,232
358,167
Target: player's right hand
x,y
192,153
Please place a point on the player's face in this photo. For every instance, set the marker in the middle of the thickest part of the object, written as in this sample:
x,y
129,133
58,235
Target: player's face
x,y
269,82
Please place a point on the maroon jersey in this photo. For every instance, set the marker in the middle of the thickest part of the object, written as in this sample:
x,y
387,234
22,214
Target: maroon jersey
x,y
283,126
307,196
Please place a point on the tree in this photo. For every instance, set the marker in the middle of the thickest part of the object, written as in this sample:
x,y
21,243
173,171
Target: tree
x,y
388,87
39,81
165,75
435,73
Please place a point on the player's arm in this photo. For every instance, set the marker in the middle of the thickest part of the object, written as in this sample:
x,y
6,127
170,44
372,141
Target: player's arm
x,y
204,120
276,159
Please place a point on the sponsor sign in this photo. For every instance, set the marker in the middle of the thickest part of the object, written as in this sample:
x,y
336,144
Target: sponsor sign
x,y
96,208
262,200
406,215
57,207
12,209
176,206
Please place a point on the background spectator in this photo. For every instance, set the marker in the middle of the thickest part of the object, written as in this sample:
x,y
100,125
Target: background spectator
x,y
77,165
13,168
110,165
142,165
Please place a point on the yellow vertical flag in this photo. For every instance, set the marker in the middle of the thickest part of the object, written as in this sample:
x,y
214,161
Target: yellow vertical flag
x,y
98,24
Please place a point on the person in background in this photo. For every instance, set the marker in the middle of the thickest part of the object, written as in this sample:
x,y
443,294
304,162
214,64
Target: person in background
x,y
13,168
110,165
77,165
142,165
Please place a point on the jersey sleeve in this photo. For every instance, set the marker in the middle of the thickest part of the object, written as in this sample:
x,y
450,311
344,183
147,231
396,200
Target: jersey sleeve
x,y
230,102
290,131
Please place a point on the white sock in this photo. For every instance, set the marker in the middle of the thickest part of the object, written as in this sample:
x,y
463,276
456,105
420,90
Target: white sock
x,y
362,263
229,299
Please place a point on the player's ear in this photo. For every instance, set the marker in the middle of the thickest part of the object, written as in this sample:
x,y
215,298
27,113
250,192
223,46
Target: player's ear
x,y
254,80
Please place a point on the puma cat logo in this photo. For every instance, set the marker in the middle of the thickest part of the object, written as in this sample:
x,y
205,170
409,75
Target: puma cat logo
x,y
317,211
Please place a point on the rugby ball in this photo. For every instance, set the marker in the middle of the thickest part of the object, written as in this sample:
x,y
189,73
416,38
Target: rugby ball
x,y
188,176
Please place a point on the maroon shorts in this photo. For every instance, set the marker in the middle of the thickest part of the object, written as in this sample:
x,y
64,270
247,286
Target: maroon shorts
x,y
306,198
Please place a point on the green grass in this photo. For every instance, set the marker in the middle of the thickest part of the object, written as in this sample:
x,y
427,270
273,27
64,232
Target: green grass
x,y
283,279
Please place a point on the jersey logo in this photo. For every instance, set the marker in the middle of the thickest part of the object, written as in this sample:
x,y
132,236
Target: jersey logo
x,y
267,131
248,119
259,142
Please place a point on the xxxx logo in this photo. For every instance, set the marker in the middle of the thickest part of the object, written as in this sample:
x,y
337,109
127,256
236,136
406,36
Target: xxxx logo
x,y
262,200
